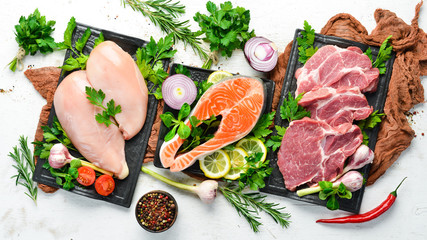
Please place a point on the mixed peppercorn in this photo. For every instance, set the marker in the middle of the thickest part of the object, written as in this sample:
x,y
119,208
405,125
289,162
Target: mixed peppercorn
x,y
156,211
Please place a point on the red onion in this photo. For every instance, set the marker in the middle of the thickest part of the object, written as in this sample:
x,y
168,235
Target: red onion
x,y
177,90
261,54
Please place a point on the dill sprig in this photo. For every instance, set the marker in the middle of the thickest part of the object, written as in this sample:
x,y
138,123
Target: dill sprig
x,y
25,165
163,13
248,205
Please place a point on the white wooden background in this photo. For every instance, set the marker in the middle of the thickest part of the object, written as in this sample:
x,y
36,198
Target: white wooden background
x,y
63,215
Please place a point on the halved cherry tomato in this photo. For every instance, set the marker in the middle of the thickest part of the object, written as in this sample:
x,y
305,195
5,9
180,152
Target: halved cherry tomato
x,y
104,185
86,176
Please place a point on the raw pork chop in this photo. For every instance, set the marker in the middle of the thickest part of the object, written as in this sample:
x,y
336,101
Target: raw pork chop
x,y
312,151
113,70
103,146
332,66
336,106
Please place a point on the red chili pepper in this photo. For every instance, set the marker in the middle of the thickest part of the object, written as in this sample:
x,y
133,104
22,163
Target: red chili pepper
x,y
374,213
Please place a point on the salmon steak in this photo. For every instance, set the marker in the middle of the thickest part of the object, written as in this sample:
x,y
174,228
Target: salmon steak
x,y
238,100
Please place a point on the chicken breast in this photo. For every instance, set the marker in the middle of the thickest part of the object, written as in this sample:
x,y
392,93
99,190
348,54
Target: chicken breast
x,y
114,71
103,146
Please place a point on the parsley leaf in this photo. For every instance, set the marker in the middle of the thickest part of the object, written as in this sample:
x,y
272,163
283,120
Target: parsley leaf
x,y
148,60
256,172
383,55
290,110
77,59
226,28
180,69
96,98
276,140
369,123
305,43
261,129
33,35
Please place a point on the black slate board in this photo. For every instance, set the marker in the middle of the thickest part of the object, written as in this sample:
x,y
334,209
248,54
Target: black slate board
x,y
200,74
134,148
275,183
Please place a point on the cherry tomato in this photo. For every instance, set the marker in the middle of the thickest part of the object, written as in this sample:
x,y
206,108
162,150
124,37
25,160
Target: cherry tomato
x,y
86,176
104,185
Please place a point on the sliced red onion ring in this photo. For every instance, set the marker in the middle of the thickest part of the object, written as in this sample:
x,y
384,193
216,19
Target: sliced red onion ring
x,y
177,90
261,54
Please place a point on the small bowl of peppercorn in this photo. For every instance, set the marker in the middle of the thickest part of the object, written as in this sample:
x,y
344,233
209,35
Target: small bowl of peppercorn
x,y
156,211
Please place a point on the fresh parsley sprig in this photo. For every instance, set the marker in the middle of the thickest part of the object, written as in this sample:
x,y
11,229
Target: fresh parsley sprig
x,y
178,124
51,136
24,164
77,59
33,35
305,44
248,206
255,173
383,55
164,13
261,129
289,111
369,123
330,193
181,69
108,114
226,28
149,62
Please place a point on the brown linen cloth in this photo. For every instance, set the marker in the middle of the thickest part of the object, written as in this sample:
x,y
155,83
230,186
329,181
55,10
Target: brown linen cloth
x,y
405,89
44,81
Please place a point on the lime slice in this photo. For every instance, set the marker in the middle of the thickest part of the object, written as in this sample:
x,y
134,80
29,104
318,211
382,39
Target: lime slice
x,y
216,164
238,162
253,145
218,76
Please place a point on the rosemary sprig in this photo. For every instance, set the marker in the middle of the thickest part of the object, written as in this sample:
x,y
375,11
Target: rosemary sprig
x,y
163,13
25,165
248,205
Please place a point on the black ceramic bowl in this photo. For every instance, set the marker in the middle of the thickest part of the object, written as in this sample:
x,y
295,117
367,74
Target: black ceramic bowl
x,y
156,211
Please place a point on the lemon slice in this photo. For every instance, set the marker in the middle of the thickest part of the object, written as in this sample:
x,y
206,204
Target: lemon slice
x,y
218,76
216,164
253,145
238,162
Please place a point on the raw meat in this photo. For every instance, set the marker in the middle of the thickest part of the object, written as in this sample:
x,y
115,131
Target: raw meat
x,y
332,66
239,100
113,70
337,107
101,145
312,151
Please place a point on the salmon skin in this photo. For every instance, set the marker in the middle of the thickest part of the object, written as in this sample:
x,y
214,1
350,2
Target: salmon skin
x,y
240,102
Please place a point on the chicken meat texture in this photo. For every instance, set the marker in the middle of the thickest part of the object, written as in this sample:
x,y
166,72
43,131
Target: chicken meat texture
x,y
114,71
101,145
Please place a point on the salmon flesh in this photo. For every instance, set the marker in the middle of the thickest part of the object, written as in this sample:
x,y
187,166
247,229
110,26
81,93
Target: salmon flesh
x,y
240,102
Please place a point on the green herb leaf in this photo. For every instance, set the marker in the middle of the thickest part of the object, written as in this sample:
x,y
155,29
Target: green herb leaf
x,y
171,133
180,69
305,43
226,28
69,32
184,131
261,130
290,110
99,40
81,42
332,203
256,172
24,164
184,111
167,119
369,123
